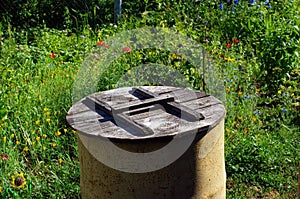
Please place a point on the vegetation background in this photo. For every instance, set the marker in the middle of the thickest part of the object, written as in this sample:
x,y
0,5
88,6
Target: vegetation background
x,y
255,47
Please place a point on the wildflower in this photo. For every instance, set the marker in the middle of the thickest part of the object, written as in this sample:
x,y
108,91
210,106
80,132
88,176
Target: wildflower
x,y
44,148
48,120
65,130
25,149
269,7
54,145
48,113
46,109
252,2
4,139
258,6
260,122
279,92
246,131
126,49
284,110
205,40
236,41
221,6
73,131
254,119
18,181
37,122
228,45
100,43
59,160
258,113
4,157
247,97
44,136
257,90
106,46
229,59
12,135
17,143
227,90
240,93
37,139
58,133
52,55
236,2
26,123
228,131
232,10
267,1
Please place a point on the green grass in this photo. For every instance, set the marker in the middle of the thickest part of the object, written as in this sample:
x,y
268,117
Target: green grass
x,y
261,75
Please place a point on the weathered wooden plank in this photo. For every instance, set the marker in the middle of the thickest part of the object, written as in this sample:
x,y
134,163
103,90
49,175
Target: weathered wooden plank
x,y
150,114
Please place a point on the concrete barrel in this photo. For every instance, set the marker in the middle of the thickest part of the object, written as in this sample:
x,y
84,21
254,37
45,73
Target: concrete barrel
x,y
150,142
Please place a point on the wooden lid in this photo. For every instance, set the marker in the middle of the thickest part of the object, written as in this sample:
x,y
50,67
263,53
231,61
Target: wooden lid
x,y
145,112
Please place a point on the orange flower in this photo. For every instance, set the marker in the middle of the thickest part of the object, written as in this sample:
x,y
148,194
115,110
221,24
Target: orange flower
x,y
100,43
52,55
126,49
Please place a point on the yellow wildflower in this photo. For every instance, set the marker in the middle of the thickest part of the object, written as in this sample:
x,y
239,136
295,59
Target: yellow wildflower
x,y
25,149
227,90
65,130
228,131
44,148
37,122
60,160
17,143
37,139
12,135
18,181
48,113
46,109
54,145
257,90
279,92
4,139
48,120
254,119
73,131
240,93
44,136
229,59
58,133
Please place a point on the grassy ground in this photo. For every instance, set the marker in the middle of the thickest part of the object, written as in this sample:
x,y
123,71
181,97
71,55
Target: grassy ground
x,y
255,49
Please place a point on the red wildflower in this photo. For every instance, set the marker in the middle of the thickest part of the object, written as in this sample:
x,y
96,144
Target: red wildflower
x,y
4,157
236,41
52,55
126,49
100,43
106,46
228,45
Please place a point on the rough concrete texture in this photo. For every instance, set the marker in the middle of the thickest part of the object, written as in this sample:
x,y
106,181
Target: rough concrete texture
x,y
198,174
